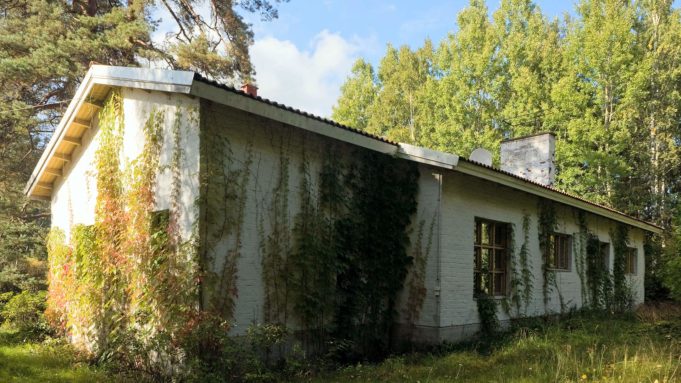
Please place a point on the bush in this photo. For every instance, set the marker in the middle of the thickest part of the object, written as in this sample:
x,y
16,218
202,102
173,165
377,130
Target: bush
x,y
215,356
24,312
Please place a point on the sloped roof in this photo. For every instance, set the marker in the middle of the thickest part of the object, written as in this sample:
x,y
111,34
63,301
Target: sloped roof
x,y
99,79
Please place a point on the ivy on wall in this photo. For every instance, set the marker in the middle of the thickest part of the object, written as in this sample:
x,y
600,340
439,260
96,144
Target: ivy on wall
x,y
546,227
598,277
416,280
276,244
521,282
579,253
622,293
338,269
224,197
59,278
131,276
313,257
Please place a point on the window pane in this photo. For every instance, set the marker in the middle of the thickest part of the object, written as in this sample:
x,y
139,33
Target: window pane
x,y
605,255
485,260
499,260
499,283
485,283
485,233
500,235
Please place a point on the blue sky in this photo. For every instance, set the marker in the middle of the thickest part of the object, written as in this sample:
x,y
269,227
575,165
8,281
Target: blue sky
x,y
375,22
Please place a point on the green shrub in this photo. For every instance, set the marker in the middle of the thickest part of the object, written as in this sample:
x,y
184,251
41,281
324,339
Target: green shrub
x,y
213,355
24,312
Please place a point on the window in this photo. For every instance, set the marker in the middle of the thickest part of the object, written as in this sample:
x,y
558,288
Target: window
x,y
558,257
604,250
632,261
491,254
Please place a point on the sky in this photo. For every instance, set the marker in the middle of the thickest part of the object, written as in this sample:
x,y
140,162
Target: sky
x,y
303,57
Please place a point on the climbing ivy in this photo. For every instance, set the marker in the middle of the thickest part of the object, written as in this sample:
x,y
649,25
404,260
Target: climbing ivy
x,y
598,278
59,278
622,292
131,276
416,280
579,252
339,269
372,248
521,283
487,312
546,227
276,244
110,224
312,259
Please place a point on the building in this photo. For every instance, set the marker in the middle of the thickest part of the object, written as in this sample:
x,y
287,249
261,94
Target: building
x,y
238,171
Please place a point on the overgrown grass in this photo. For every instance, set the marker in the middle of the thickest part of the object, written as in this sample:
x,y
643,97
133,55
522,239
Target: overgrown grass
x,y
22,360
584,347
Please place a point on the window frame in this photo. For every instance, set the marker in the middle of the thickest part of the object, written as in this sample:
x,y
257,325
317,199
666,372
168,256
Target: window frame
x,y
493,247
567,246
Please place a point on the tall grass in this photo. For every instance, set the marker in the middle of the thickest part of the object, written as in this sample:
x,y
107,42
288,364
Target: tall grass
x,y
585,347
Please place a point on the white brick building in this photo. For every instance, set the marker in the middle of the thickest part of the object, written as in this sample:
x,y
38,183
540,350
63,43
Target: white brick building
x,y
455,195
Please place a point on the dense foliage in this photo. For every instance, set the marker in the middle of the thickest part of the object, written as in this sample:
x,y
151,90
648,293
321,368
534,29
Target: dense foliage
x,y
606,82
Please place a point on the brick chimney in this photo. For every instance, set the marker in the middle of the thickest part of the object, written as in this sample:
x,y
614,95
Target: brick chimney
x,y
531,157
250,89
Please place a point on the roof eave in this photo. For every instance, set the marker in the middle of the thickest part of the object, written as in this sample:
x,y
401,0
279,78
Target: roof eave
x,y
148,79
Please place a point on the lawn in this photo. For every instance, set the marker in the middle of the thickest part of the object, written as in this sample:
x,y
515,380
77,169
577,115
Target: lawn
x,y
50,361
580,348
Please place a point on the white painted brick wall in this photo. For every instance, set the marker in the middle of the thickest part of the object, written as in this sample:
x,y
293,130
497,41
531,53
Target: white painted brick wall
x,y
465,198
75,195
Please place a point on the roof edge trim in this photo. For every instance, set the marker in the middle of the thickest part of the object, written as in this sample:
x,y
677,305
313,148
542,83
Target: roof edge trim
x,y
427,156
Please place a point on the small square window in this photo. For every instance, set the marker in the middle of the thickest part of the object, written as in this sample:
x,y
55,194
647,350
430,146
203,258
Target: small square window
x,y
558,252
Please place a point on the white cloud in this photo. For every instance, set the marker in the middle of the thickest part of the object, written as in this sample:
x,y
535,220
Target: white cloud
x,y
307,79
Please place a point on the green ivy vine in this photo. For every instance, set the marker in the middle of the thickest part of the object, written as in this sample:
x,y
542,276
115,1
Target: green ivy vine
x,y
416,280
131,277
546,227
579,251
623,298
598,278
340,267
276,244
521,282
